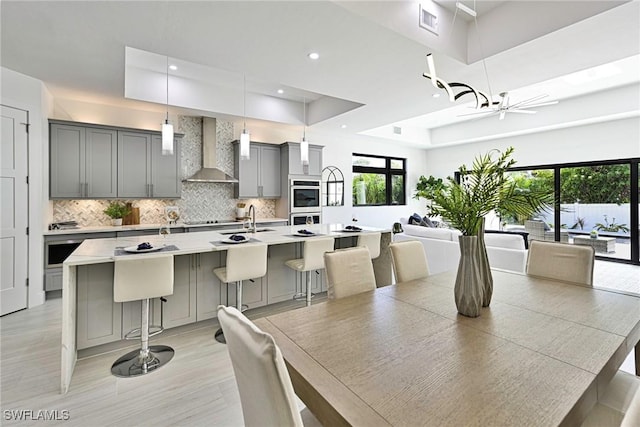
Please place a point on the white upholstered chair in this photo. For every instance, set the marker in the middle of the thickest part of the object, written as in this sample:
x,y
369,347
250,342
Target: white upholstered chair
x,y
140,279
620,404
349,272
372,242
265,388
409,260
561,261
244,262
312,259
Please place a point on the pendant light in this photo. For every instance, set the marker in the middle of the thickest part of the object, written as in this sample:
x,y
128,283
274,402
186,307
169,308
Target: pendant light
x,y
167,128
304,144
245,137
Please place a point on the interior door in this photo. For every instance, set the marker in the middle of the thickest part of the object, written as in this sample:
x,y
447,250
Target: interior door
x,y
13,219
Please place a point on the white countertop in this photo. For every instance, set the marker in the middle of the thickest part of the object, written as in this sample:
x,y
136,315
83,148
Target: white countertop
x,y
113,229
94,251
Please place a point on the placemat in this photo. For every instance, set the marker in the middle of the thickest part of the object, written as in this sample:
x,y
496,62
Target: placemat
x,y
226,243
300,235
120,250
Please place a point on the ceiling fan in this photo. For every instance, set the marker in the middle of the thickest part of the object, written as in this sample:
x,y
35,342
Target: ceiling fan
x,y
503,107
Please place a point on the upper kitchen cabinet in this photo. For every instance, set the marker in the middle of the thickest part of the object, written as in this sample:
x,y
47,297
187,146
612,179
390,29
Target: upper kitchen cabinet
x,y
93,161
83,162
291,159
143,171
259,176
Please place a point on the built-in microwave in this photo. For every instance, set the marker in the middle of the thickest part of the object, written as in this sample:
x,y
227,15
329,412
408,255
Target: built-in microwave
x,y
301,218
305,195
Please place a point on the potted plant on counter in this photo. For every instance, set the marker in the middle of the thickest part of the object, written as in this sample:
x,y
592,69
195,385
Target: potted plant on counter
x,y
116,211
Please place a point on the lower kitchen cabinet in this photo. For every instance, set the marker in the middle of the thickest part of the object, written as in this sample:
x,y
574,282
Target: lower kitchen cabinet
x,y
99,318
281,279
180,307
207,285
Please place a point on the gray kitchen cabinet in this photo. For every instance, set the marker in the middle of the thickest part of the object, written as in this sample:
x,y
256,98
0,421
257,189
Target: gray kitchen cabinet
x,y
207,285
99,318
193,276
259,176
165,170
280,278
134,165
143,171
180,307
291,159
83,162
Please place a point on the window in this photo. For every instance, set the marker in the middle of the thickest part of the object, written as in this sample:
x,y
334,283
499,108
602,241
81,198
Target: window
x,y
378,180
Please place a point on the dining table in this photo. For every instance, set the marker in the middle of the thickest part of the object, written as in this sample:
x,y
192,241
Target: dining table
x,y
540,355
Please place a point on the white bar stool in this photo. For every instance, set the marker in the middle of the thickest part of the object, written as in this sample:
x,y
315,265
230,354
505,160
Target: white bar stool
x,y
372,242
244,262
312,259
141,279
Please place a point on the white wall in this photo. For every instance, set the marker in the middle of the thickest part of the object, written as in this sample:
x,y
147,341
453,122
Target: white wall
x,y
599,141
26,93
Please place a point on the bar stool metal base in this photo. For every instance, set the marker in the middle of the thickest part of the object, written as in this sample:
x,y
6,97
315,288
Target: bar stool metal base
x,y
133,364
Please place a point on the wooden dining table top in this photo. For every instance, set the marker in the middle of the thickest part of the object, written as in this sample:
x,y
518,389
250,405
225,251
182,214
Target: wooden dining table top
x,y
401,355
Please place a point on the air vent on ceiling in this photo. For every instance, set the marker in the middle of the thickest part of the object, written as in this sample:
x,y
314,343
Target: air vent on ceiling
x,y
397,130
428,21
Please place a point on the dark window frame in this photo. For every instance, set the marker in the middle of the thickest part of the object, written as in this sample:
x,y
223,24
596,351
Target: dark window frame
x,y
388,173
633,163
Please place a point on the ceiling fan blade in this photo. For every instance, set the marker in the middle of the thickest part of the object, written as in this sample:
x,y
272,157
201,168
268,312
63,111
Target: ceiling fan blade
x,y
522,111
542,104
529,101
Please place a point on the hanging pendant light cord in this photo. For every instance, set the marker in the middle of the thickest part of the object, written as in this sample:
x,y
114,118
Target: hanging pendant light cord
x,y
244,103
304,118
167,120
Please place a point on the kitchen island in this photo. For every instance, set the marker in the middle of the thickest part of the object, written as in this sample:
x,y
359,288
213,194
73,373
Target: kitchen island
x,y
91,318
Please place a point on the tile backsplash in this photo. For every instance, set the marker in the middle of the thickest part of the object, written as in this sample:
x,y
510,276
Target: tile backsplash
x,y
200,201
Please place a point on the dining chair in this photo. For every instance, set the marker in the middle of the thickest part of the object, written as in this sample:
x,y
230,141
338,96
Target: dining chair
x,y
619,405
140,279
264,385
349,272
409,260
561,261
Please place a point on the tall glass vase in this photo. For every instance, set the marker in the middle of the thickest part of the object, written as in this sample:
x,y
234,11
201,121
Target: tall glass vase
x,y
485,268
468,289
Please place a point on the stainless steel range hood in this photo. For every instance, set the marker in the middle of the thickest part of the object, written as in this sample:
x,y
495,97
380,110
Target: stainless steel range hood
x,y
209,171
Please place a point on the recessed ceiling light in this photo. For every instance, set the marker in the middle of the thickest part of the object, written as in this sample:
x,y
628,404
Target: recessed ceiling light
x,y
173,67
280,91
343,126
436,95
314,55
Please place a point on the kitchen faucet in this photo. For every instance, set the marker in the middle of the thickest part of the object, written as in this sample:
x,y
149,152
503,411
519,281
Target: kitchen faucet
x,y
252,214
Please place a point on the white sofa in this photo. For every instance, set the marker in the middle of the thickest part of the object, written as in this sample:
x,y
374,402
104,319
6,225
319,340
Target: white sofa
x,y
505,251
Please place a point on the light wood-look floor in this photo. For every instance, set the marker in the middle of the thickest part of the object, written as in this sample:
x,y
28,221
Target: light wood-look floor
x,y
196,388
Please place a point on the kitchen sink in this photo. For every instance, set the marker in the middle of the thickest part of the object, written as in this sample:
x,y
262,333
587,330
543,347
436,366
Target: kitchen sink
x,y
258,230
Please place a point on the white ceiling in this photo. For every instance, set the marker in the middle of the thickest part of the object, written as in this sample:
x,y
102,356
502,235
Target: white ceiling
x,y
372,53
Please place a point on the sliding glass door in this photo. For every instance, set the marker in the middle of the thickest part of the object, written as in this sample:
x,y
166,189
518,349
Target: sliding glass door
x,y
596,204
595,208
